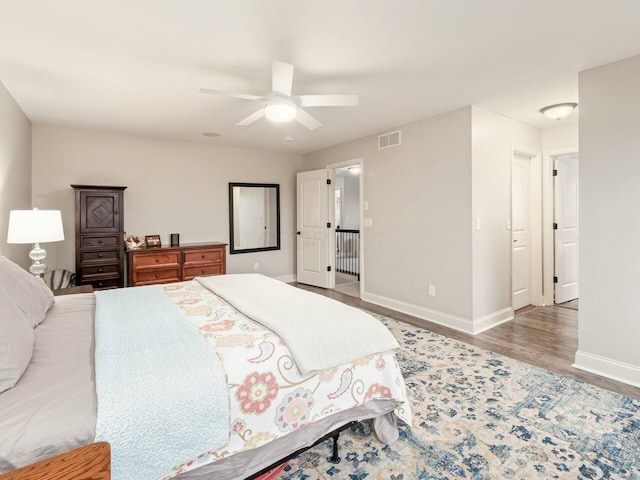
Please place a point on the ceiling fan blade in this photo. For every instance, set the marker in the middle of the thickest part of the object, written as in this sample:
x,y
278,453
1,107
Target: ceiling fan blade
x,y
282,78
229,94
327,100
255,116
307,120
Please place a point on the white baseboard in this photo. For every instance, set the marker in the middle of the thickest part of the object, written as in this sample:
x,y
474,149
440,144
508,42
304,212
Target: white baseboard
x,y
444,319
287,278
607,367
492,320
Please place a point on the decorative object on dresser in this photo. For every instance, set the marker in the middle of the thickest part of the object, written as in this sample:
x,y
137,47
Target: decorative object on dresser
x,y
175,239
133,241
152,241
99,236
149,266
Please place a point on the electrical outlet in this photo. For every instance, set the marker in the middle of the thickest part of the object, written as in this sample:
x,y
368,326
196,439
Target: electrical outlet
x,y
256,266
432,290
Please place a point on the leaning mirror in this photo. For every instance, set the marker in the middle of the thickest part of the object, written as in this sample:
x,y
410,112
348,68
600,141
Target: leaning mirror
x,y
254,217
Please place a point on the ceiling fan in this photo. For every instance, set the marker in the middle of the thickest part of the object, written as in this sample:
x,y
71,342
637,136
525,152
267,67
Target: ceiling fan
x,y
281,106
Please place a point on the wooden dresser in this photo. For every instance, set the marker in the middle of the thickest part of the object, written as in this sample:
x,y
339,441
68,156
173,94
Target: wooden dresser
x,y
149,266
99,236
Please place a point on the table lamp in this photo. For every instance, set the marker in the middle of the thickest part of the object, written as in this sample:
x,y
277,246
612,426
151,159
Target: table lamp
x,y
35,226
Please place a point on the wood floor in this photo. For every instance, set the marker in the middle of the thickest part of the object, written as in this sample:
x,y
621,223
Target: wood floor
x,y
543,336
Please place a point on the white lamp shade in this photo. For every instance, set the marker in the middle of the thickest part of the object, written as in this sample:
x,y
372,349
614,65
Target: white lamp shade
x,y
35,226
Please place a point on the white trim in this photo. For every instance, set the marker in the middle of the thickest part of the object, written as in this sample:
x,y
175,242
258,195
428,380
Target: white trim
x,y
444,319
287,278
607,367
492,320
547,221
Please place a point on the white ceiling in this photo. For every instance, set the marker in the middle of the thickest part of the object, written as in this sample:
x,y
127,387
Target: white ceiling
x,y
136,66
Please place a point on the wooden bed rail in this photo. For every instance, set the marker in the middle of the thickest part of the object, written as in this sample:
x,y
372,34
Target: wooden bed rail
x,y
91,462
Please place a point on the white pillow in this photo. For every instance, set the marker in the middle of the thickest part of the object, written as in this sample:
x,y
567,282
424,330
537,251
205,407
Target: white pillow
x,y
28,292
16,342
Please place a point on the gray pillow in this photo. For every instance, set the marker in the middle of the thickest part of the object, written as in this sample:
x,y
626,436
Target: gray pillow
x,y
16,342
29,293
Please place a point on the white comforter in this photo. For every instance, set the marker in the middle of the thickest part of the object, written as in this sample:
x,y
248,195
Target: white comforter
x,y
321,333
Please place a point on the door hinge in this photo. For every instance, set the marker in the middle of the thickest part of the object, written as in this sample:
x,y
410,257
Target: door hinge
x,y
555,226
555,172
328,181
555,279
328,268
328,224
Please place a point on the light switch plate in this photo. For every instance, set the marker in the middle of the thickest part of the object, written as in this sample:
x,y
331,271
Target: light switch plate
x,y
367,222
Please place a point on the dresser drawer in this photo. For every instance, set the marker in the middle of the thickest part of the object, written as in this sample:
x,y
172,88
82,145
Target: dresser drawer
x,y
102,241
206,256
102,284
156,275
161,258
188,273
101,270
99,256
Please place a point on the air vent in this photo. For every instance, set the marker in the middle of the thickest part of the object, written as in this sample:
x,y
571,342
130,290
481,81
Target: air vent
x,y
390,139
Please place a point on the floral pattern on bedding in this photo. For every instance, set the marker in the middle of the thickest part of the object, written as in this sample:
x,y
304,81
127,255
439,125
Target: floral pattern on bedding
x,y
268,397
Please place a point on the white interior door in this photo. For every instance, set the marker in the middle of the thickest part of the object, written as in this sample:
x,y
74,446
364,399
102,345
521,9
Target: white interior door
x,y
312,231
521,231
566,232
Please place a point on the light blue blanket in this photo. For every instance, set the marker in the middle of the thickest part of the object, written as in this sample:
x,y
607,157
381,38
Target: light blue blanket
x,y
162,394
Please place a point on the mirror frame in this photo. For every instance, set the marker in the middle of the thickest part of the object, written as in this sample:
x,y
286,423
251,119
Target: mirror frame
x,y
232,249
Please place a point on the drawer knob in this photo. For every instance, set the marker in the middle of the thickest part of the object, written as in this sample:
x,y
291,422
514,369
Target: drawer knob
x,y
100,284
157,275
202,270
99,255
203,256
157,260
99,241
99,270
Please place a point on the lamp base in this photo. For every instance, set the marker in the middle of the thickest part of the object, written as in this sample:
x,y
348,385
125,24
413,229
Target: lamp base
x,y
36,255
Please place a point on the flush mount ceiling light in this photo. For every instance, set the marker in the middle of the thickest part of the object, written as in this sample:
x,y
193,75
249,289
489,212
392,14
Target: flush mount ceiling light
x,y
559,110
355,170
280,109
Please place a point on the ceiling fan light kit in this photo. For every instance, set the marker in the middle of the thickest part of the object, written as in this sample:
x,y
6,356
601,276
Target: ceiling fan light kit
x,y
281,106
559,110
280,109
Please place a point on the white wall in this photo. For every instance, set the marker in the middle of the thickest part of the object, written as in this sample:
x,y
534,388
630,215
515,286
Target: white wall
x,y
560,137
419,196
173,187
609,322
494,139
351,202
15,172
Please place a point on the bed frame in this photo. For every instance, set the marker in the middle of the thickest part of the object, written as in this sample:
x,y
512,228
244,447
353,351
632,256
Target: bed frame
x,y
333,459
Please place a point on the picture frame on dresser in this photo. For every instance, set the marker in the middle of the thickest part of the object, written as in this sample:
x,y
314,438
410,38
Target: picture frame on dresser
x,y
153,241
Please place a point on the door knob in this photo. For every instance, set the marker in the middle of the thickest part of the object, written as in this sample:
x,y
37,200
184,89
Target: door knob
x,y
297,233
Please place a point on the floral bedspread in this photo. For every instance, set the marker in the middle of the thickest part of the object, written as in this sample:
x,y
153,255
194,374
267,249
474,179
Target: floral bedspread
x,y
268,397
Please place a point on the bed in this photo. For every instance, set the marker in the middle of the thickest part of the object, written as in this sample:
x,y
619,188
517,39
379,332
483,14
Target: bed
x,y
272,404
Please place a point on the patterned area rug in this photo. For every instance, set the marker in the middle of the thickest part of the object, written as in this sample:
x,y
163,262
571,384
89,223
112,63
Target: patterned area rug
x,y
479,415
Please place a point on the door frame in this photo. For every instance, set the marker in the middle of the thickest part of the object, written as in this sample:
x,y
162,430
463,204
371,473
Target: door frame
x,y
547,226
332,238
536,220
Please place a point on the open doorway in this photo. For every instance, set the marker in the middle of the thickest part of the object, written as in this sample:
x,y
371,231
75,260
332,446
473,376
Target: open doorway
x,y
346,209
